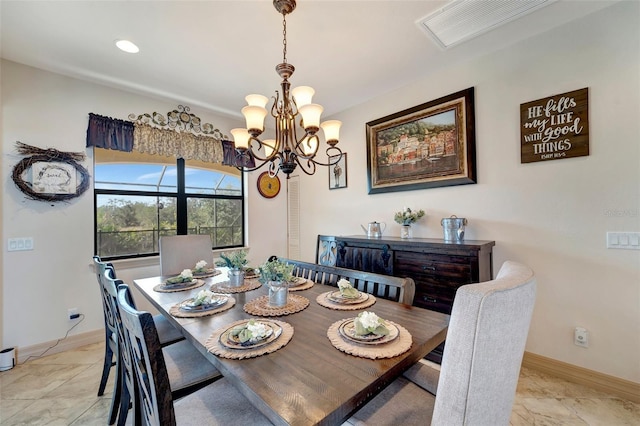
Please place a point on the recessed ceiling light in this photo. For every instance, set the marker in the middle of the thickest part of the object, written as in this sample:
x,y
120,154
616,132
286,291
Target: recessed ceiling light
x,y
127,46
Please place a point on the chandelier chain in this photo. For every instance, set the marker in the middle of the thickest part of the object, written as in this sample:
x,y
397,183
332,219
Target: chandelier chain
x,y
284,38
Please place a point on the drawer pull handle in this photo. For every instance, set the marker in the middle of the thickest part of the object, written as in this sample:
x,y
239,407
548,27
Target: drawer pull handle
x,y
429,299
429,268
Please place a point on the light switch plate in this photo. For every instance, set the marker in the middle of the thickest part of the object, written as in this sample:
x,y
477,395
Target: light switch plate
x,y
20,244
623,240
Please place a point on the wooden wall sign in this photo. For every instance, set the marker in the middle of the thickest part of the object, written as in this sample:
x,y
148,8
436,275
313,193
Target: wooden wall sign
x,y
555,128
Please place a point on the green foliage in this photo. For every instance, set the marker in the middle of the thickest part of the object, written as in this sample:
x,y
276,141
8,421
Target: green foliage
x,y
275,270
235,260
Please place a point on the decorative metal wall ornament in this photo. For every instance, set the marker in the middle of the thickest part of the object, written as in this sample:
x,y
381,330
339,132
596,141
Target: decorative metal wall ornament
x,y
178,119
54,174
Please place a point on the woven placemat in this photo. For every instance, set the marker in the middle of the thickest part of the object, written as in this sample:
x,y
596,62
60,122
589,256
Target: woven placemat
x,y
214,346
223,287
161,288
260,306
323,300
208,274
396,347
176,312
306,286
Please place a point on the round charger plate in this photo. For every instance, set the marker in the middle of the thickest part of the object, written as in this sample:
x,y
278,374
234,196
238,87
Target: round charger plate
x,y
169,285
214,346
348,330
336,296
162,288
232,342
296,281
391,349
324,300
216,302
209,272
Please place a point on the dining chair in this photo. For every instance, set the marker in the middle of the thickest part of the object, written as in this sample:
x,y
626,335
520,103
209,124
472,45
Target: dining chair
x,y
326,250
167,332
187,369
480,365
218,403
180,252
392,288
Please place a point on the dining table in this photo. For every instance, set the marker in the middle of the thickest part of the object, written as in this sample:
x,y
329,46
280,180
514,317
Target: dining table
x,y
310,379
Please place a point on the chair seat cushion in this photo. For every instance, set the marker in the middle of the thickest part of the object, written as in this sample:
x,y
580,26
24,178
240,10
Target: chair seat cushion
x,y
167,333
186,366
217,404
400,403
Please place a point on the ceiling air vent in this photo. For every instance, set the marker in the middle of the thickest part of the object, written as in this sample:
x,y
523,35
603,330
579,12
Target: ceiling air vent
x,y
462,20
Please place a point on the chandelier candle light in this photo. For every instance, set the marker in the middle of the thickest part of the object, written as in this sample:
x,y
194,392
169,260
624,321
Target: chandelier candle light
x,y
286,151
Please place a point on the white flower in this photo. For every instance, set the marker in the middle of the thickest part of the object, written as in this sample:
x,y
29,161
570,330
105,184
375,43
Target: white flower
x,y
369,320
186,274
203,297
342,284
258,330
201,264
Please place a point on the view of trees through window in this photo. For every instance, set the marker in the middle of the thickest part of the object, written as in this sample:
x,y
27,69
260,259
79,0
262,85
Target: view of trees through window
x,y
138,202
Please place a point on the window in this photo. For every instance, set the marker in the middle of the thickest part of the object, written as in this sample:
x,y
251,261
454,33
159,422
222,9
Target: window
x,y
141,197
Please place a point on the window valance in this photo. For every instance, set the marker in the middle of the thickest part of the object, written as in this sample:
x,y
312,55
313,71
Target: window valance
x,y
180,135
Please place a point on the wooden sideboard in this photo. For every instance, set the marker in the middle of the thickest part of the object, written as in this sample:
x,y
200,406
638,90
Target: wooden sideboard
x,y
438,267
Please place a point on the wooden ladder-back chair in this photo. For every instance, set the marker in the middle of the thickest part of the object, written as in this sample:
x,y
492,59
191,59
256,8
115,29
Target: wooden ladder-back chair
x,y
481,362
218,403
180,252
387,287
188,372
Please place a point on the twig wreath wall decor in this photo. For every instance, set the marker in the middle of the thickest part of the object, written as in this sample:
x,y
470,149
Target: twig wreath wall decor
x,y
54,174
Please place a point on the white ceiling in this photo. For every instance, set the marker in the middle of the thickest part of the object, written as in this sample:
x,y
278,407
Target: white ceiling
x,y
210,54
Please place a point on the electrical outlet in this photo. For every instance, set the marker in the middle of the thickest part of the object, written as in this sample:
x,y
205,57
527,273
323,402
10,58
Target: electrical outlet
x,y
581,337
72,313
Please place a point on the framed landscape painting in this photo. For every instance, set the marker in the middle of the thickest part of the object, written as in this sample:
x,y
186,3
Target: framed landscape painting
x,y
429,145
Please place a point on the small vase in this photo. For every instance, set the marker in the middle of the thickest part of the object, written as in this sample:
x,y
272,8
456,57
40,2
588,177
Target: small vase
x,y
405,231
236,277
278,293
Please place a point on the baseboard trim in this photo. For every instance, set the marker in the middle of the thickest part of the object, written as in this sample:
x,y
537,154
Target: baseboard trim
x,y
603,382
71,342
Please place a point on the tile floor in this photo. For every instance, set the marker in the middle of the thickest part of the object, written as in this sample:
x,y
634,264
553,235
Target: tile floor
x,y
60,389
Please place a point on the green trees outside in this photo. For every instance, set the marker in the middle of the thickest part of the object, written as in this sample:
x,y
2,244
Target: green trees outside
x,y
129,225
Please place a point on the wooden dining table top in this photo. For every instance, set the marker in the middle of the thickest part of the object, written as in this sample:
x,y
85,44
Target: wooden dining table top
x,y
308,381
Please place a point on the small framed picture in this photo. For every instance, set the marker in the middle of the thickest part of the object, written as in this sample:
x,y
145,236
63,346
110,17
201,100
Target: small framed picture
x,y
338,172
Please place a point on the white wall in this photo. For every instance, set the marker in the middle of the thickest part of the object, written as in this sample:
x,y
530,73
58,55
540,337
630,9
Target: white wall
x,y
48,110
551,215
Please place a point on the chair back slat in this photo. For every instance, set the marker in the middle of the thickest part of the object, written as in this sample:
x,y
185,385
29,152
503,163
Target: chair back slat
x,y
385,286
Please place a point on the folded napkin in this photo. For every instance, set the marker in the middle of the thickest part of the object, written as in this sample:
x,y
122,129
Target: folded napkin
x,y
369,323
346,289
186,276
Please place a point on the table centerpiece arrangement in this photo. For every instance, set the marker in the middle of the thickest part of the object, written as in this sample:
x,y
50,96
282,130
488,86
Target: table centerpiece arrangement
x,y
235,261
276,275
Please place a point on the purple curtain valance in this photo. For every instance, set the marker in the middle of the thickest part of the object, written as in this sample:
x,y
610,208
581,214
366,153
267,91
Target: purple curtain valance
x,y
231,157
110,133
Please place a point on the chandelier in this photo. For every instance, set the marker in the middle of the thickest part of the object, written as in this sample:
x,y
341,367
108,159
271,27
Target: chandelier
x,y
290,106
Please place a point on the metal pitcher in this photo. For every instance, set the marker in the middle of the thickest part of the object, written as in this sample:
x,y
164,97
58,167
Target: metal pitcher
x,y
374,229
